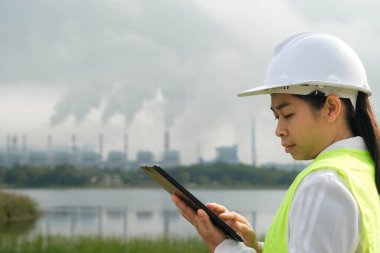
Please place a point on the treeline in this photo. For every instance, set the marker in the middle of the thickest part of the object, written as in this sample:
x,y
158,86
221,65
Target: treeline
x,y
224,175
63,175
201,175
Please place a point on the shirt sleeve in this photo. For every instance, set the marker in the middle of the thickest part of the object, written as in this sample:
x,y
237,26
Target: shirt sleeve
x,y
231,246
324,216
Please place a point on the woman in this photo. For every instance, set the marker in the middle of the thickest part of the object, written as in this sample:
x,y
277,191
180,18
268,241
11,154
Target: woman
x,y
319,97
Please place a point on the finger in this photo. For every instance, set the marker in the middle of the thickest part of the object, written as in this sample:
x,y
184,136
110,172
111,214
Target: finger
x,y
187,212
216,208
233,216
248,235
203,218
246,230
204,224
210,234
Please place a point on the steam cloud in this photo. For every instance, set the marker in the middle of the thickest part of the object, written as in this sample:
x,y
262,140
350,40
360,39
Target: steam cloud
x,y
129,61
112,55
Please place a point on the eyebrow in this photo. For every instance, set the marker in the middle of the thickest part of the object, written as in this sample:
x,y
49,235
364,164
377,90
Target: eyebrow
x,y
280,106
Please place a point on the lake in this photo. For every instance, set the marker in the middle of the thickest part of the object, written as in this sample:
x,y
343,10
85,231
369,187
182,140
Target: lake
x,y
139,212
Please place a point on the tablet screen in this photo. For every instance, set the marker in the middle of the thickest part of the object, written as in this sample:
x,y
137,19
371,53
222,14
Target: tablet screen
x,y
174,187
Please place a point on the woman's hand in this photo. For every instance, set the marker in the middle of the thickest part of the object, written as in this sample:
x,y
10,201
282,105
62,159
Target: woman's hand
x,y
238,223
201,221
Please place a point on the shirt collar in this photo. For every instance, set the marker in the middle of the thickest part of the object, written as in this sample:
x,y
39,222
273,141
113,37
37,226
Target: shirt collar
x,y
356,142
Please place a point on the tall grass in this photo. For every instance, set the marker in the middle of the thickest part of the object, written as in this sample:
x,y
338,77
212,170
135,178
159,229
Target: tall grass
x,y
57,244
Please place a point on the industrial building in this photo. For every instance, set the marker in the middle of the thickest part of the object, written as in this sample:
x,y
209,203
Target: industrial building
x,y
73,155
114,159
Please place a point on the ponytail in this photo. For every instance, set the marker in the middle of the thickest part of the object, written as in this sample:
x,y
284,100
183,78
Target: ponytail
x,y
363,123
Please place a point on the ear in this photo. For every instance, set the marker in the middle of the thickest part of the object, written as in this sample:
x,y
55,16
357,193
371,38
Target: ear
x,y
332,108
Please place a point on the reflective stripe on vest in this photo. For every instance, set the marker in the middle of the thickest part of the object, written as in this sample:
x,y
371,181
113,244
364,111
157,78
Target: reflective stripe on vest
x,y
356,169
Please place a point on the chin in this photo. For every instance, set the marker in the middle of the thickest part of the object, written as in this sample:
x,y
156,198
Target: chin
x,y
301,158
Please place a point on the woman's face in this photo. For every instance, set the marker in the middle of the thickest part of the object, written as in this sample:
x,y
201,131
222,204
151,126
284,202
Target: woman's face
x,y
300,127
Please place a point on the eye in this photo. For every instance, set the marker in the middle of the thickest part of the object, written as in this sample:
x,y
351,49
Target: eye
x,y
288,116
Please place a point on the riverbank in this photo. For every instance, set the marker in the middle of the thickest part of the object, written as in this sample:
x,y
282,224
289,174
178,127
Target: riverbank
x,y
16,207
58,244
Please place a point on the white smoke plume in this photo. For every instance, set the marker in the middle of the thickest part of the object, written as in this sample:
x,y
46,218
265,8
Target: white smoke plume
x,y
182,60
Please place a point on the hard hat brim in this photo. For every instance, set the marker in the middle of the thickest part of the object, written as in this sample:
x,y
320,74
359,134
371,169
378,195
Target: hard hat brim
x,y
303,88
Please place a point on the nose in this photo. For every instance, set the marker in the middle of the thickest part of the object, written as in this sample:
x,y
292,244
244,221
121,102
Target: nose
x,y
281,129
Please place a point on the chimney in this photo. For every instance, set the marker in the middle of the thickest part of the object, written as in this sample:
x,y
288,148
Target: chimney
x,y
14,144
8,144
9,150
199,152
100,147
49,142
50,150
24,144
24,149
126,146
74,149
167,141
253,147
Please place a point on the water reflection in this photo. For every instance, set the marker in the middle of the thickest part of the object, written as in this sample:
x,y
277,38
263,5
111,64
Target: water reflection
x,y
16,228
120,222
144,215
119,212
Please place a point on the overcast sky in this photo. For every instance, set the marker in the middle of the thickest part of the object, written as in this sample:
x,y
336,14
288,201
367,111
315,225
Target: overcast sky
x,y
145,66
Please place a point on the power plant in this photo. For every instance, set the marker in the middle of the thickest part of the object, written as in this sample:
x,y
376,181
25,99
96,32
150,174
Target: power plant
x,y
114,159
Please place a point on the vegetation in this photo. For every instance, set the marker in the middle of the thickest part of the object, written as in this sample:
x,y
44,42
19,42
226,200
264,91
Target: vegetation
x,y
16,208
63,175
201,175
222,175
56,244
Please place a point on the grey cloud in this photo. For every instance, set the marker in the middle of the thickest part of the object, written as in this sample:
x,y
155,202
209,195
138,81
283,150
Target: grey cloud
x,y
118,54
77,102
343,11
55,41
86,47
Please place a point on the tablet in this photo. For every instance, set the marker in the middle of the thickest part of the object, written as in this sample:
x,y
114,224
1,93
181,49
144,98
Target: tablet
x,y
173,187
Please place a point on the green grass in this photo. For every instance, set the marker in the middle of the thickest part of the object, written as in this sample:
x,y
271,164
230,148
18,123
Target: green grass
x,y
57,244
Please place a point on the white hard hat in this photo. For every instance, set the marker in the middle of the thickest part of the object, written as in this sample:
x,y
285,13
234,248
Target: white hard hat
x,y
308,62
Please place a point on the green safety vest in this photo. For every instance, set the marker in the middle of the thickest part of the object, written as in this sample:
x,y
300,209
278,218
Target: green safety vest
x,y
356,169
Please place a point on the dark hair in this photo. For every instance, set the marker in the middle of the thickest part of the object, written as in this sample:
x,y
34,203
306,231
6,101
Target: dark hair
x,y
361,121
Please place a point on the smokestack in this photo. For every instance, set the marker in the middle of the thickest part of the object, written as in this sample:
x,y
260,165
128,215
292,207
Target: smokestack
x,y
24,144
8,150
126,146
50,150
254,154
199,152
167,141
100,147
49,142
74,148
24,150
14,144
8,144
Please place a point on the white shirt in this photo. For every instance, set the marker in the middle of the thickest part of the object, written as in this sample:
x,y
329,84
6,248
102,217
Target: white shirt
x,y
323,216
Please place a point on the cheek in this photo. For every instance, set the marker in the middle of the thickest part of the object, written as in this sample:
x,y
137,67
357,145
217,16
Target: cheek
x,y
308,138
304,129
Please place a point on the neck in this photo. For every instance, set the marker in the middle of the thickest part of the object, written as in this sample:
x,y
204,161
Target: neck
x,y
341,133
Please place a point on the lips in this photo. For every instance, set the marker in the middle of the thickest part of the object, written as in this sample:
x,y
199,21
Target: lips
x,y
288,147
